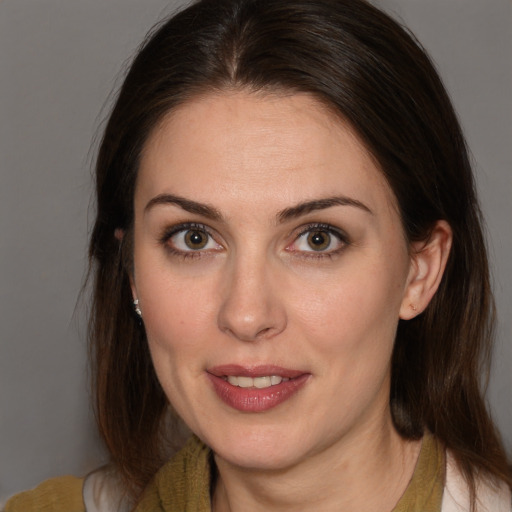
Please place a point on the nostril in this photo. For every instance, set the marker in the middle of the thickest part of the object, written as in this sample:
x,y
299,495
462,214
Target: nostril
x,y
248,334
264,332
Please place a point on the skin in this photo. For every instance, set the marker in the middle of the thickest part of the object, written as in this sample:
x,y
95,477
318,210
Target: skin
x,y
258,293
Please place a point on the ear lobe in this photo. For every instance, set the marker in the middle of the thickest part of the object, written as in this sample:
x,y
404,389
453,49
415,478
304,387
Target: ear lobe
x,y
428,261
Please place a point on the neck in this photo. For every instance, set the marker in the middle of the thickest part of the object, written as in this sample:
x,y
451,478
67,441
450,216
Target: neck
x,y
366,472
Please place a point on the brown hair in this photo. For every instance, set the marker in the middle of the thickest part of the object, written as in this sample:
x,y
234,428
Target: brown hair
x,y
369,70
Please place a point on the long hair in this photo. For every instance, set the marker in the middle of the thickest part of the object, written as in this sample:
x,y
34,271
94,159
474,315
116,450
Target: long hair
x,y
372,73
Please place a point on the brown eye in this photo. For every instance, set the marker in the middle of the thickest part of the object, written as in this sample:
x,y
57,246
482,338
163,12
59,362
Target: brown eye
x,y
191,240
319,240
195,239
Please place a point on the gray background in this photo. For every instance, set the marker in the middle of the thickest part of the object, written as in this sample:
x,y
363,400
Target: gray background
x,y
59,61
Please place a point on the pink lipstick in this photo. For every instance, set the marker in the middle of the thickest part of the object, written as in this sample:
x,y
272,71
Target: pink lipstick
x,y
255,388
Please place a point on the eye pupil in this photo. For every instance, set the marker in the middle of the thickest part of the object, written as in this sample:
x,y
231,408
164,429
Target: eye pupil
x,y
196,239
319,240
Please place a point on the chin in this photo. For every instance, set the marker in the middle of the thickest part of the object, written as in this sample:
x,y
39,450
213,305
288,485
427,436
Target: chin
x,y
264,449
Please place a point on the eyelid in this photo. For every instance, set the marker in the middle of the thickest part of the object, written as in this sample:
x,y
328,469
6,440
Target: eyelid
x,y
319,226
169,232
296,234
172,231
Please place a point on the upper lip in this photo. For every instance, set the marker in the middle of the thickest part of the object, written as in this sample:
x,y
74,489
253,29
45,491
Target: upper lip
x,y
264,370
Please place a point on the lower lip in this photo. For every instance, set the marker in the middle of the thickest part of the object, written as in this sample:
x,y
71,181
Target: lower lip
x,y
254,399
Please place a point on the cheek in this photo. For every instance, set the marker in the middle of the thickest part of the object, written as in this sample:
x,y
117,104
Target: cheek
x,y
352,315
174,303
351,300
350,329
178,320
176,313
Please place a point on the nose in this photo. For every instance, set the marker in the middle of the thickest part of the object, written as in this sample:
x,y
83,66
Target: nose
x,y
251,308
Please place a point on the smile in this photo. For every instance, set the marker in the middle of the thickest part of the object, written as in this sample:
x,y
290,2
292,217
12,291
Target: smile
x,y
256,382
255,389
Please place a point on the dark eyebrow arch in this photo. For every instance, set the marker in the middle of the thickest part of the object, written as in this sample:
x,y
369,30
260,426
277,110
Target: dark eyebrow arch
x,y
293,212
186,204
319,204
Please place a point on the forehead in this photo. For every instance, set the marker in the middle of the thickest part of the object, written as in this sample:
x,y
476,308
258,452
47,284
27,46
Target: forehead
x,y
243,144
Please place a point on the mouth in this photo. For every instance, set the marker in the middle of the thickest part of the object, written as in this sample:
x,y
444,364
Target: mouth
x,y
255,389
255,382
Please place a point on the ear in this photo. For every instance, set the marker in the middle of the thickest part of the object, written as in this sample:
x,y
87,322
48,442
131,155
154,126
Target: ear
x,y
428,261
119,234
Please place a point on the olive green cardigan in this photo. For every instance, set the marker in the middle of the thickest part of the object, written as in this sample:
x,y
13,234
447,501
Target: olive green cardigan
x,y
183,485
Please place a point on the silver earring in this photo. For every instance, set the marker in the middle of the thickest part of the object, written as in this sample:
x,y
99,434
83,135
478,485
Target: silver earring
x,y
136,307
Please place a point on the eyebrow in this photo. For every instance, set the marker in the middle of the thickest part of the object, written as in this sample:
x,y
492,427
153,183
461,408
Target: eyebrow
x,y
287,214
188,205
320,204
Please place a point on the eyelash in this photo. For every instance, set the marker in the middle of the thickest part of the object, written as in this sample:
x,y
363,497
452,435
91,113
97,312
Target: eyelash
x,y
325,228
194,254
187,226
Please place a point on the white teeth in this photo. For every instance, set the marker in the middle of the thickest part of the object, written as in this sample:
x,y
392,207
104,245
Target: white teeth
x,y
261,382
233,380
245,382
256,382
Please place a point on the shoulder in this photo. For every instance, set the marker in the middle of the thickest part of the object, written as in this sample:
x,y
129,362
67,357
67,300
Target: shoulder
x,y
103,491
100,491
490,498
62,494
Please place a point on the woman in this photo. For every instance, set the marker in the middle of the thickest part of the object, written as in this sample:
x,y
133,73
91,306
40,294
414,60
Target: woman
x,y
288,250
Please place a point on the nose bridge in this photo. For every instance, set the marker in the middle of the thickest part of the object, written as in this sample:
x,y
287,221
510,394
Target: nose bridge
x,y
250,307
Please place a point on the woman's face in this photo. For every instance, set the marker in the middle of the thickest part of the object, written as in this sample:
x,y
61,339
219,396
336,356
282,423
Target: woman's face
x,y
271,269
